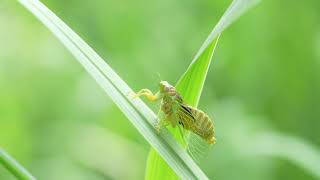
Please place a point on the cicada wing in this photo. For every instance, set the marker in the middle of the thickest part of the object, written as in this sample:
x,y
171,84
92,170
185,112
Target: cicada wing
x,y
186,118
196,146
184,134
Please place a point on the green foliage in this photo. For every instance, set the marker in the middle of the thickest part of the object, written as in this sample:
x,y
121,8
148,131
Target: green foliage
x,y
261,66
14,167
191,83
283,146
136,111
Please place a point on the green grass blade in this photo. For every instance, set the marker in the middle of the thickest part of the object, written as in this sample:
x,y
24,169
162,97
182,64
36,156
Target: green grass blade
x,y
136,111
234,11
191,83
14,167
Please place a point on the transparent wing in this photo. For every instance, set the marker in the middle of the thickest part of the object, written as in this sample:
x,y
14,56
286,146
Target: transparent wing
x,y
183,133
196,146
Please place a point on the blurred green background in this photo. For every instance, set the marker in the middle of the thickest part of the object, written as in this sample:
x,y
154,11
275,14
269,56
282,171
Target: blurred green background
x,y
264,80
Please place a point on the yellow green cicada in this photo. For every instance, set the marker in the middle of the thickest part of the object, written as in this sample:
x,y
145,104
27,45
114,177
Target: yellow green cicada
x,y
177,112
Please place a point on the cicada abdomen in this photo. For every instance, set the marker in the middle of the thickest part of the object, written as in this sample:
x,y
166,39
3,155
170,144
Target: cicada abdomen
x,y
203,125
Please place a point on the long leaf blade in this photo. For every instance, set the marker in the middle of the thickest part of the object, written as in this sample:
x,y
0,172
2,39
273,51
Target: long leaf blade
x,y
137,112
191,83
234,11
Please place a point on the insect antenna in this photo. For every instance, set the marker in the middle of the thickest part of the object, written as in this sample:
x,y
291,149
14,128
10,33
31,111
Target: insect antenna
x,y
159,76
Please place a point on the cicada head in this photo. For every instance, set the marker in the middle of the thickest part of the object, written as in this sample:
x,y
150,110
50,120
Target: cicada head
x,y
167,89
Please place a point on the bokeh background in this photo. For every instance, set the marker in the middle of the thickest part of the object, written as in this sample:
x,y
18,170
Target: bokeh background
x,y
262,88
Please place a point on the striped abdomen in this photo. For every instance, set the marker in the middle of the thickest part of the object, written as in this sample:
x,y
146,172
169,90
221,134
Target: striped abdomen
x,y
203,125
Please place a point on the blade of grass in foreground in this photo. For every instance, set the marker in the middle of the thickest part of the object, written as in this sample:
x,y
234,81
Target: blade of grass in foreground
x,y
191,83
136,111
14,167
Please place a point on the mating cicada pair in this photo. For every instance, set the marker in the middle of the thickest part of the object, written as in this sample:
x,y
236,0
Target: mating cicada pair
x,y
178,113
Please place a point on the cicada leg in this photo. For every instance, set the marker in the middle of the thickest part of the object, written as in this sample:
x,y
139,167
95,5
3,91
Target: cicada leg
x,y
160,125
163,122
148,94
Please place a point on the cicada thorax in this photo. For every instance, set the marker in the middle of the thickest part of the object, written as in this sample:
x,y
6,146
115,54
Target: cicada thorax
x,y
203,125
166,106
171,101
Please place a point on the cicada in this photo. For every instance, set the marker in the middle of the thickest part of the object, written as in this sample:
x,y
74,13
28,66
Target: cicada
x,y
178,113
